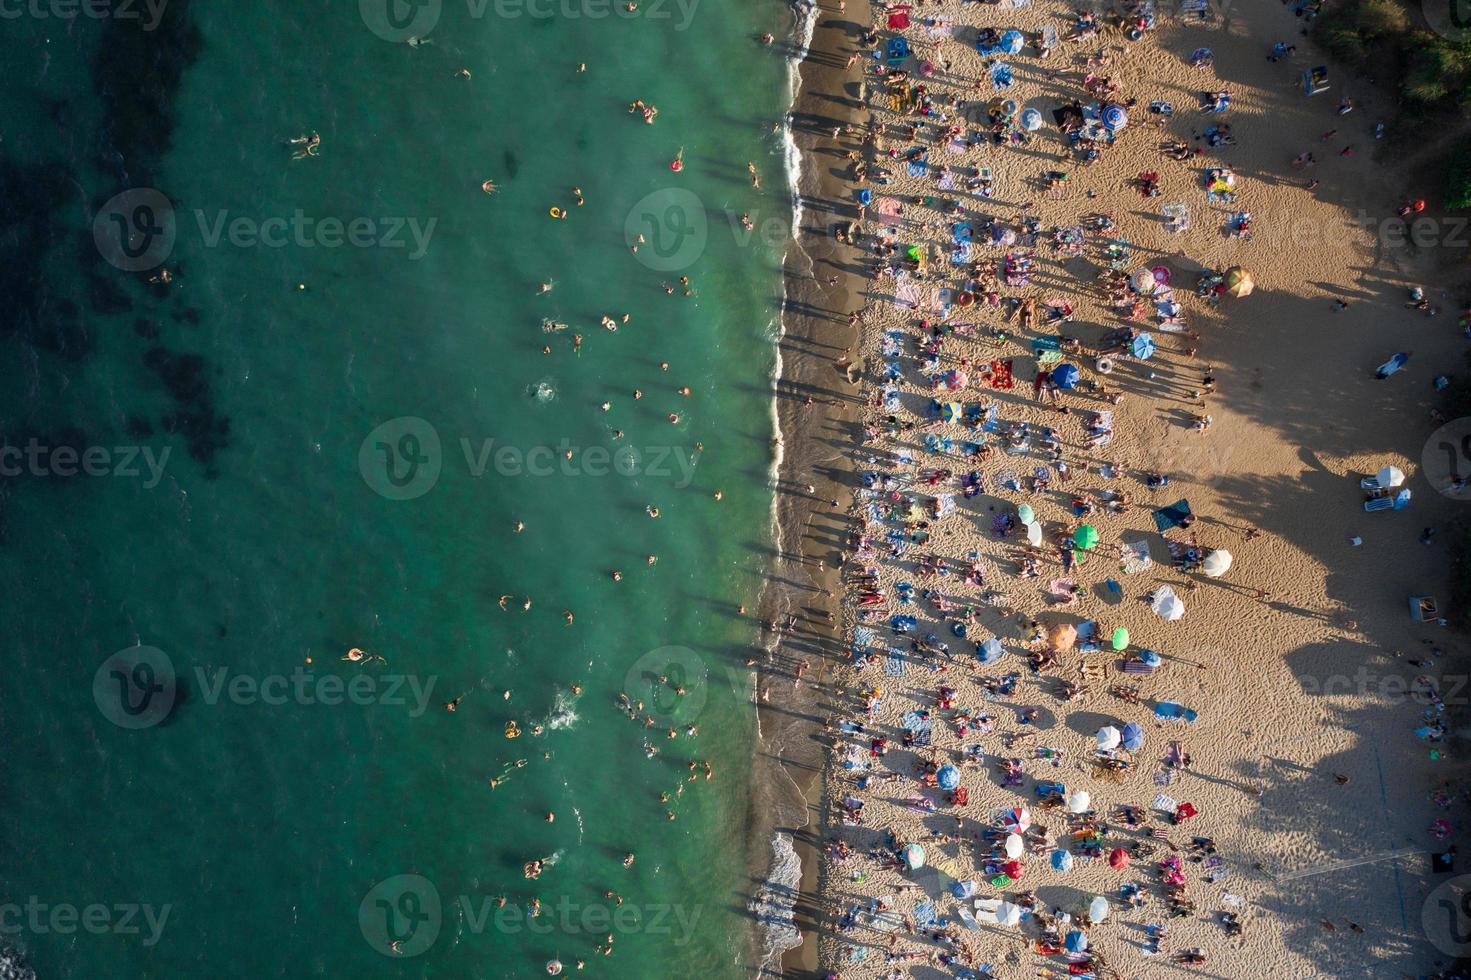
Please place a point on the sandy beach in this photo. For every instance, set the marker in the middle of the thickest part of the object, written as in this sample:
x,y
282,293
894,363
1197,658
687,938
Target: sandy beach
x,y
1305,847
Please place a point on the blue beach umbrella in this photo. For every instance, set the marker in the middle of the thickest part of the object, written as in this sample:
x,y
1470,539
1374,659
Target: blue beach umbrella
x,y
1143,347
1150,657
1114,117
1062,860
990,651
1011,42
1133,739
1065,376
948,777
1075,942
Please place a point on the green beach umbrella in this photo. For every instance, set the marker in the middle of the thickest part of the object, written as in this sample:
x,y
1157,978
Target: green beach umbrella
x,y
1086,537
1025,514
1120,638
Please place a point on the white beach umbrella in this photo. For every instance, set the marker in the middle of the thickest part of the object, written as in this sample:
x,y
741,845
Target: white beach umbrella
x,y
1144,282
1166,604
1217,563
1034,534
1109,738
1079,801
1391,476
1015,846
1098,909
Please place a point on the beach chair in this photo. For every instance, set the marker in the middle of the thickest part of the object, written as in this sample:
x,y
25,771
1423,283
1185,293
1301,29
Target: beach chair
x,y
1423,609
1378,504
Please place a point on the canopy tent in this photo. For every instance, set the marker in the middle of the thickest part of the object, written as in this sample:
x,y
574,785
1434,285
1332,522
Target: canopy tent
x,y
1217,563
1166,604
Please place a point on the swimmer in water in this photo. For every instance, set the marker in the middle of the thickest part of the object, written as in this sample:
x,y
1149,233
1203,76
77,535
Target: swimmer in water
x,y
526,606
519,527
577,193
567,615
464,73
489,187
452,705
358,656
651,510
546,287
504,599
628,860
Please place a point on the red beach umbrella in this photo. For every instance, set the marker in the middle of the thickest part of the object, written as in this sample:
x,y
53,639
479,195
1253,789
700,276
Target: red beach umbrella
x,y
1014,870
1118,859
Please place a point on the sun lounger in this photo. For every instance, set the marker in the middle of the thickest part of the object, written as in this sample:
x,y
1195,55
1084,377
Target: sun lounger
x,y
1378,504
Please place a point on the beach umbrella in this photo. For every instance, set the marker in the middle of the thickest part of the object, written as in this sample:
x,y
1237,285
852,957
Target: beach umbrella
x,y
1120,640
1086,537
1239,282
1161,274
1015,846
1118,859
1109,738
990,651
1200,56
1062,637
1114,117
1009,107
1217,563
950,412
1013,870
1391,476
956,380
1132,737
1166,604
1075,942
1150,657
1079,801
1143,282
1025,514
927,68
913,856
1008,914
1143,347
1017,819
1011,41
1065,376
1034,534
948,777
916,253
1031,120
1098,909
1062,860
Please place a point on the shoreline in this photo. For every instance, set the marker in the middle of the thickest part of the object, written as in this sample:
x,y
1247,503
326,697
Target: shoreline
x,y
813,447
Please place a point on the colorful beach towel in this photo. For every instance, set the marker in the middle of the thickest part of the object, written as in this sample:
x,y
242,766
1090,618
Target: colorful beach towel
x,y
1001,378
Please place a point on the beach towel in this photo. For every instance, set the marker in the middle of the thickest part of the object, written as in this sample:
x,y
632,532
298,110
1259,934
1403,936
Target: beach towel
x,y
1000,377
1165,803
924,914
894,665
957,146
892,343
917,168
1042,346
1008,479
961,254
906,294
1175,515
889,207
1134,557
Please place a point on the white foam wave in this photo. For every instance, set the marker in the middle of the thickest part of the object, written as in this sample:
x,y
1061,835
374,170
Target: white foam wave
x,y
775,905
564,713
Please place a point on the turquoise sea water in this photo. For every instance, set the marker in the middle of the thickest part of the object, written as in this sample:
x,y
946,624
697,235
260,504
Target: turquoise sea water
x,y
259,819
